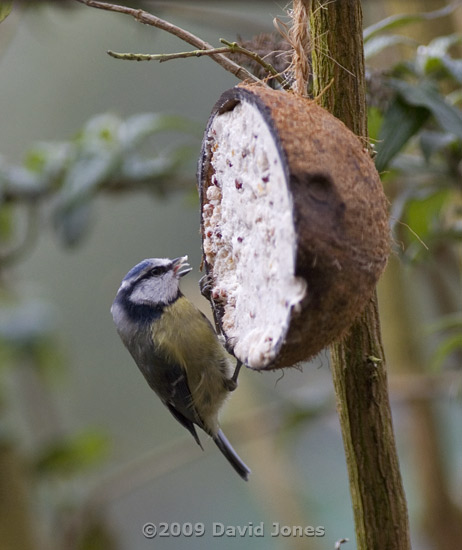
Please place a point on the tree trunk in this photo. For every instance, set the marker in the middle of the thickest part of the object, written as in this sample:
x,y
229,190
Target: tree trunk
x,y
358,362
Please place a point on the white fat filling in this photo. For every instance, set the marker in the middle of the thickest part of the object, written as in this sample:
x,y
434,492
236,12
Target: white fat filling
x,y
249,235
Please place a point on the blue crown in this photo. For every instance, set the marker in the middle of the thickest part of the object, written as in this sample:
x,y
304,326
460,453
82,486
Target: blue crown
x,y
137,269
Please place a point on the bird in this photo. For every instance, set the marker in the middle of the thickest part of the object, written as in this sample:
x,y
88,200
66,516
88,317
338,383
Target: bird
x,y
176,348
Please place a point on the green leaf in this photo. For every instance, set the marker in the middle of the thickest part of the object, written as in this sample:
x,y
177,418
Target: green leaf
x,y
152,169
400,123
423,211
439,46
72,221
434,57
141,169
455,97
396,21
24,324
454,68
70,456
425,95
448,346
374,122
48,159
138,127
96,158
452,321
41,172
379,43
432,142
21,182
5,9
88,172
100,131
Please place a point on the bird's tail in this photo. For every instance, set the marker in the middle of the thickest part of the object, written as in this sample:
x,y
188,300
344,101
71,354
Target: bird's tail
x,y
233,458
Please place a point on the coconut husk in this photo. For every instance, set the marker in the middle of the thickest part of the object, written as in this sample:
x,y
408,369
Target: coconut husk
x,y
340,215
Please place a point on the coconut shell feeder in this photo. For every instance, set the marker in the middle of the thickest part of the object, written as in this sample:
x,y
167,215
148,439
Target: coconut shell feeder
x,y
294,225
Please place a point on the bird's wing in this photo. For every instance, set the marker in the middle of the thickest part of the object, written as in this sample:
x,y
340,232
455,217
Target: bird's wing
x,y
185,422
179,400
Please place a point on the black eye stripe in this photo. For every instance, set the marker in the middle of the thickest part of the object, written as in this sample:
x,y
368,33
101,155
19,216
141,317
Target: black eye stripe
x,y
155,272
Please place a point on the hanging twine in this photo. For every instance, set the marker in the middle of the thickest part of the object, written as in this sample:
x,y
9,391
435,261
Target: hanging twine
x,y
299,39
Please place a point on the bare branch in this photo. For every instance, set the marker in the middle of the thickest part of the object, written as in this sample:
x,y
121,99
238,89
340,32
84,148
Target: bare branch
x,y
231,47
237,48
162,57
148,19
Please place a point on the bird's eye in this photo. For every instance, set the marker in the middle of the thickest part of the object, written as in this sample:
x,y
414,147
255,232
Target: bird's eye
x,y
156,271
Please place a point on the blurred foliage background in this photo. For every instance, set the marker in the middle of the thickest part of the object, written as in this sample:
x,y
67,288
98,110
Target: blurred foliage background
x,y
97,171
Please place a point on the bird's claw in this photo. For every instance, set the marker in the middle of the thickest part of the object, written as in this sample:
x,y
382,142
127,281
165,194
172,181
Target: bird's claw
x,y
231,383
206,285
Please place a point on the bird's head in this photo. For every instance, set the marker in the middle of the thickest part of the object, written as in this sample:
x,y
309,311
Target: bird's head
x,y
154,281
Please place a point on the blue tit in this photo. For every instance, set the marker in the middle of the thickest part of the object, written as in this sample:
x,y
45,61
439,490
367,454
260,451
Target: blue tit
x,y
176,348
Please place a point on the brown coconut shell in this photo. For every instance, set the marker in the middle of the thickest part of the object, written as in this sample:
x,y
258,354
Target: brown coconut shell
x,y
339,210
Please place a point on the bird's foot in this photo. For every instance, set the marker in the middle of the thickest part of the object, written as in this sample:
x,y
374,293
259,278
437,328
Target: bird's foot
x,y
231,383
206,285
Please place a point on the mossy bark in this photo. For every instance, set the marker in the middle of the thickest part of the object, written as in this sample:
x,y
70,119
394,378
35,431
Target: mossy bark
x,y
358,361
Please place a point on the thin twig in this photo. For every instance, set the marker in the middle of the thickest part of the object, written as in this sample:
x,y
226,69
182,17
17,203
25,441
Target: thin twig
x,y
148,19
231,47
237,48
162,57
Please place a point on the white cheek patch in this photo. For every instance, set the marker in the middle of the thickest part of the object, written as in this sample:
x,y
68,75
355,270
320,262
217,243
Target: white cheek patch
x,y
142,293
249,235
156,290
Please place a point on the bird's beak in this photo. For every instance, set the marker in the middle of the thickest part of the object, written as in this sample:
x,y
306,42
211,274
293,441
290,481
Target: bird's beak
x,y
181,266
